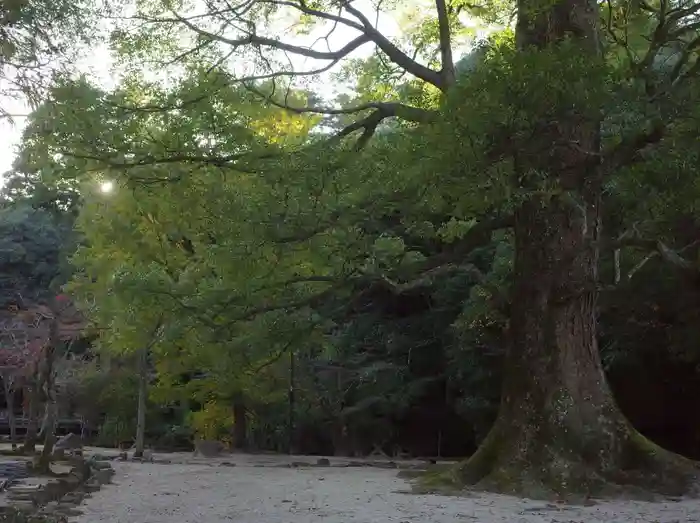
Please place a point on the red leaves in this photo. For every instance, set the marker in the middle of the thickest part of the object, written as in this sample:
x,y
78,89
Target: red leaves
x,y
24,334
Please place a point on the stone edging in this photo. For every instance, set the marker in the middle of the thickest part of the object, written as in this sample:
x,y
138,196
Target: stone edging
x,y
58,498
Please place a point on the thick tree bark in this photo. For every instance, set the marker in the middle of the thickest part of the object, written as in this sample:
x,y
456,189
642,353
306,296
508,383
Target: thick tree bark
x,y
141,412
559,431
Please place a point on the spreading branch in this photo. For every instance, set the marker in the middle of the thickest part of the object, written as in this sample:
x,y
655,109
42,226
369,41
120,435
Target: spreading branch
x,y
255,40
478,236
448,66
380,112
304,8
389,109
656,248
231,161
359,22
395,54
629,151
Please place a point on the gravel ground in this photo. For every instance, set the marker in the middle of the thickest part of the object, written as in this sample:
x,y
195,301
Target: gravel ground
x,y
191,491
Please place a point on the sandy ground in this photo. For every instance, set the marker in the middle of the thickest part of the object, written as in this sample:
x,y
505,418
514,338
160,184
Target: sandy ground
x,y
260,492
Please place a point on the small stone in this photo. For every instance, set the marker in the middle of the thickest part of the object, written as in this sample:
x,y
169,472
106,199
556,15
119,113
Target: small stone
x,y
72,480
323,462
103,476
51,506
23,505
25,488
69,442
71,497
60,468
100,465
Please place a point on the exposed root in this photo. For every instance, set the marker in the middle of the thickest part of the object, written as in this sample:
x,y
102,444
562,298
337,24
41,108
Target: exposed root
x,y
638,469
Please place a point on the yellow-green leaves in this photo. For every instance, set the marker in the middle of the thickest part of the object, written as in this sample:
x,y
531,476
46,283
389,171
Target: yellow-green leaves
x,y
455,229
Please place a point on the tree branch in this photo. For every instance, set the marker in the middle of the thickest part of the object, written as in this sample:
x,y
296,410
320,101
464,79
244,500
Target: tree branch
x,y
304,8
479,235
388,109
448,66
218,161
629,151
451,259
440,79
658,248
253,39
395,54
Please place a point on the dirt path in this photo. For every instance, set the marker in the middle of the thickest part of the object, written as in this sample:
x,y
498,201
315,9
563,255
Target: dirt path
x,y
202,493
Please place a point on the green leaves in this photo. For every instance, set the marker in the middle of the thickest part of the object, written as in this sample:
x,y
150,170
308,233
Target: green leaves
x,y
31,248
455,229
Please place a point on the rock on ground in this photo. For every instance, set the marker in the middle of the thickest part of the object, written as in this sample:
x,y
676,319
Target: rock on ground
x,y
69,442
197,493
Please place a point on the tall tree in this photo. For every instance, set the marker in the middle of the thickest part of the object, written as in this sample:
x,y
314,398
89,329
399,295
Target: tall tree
x,y
532,134
32,254
37,41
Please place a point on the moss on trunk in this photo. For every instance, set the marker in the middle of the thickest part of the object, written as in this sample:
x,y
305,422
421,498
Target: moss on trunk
x,y
559,432
557,470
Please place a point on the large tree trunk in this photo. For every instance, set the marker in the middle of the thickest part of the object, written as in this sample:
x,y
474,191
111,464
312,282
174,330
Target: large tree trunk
x,y
141,413
559,431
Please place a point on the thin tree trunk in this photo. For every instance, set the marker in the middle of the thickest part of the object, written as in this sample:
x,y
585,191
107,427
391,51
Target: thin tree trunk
x,y
559,430
240,424
291,444
143,395
50,392
10,401
34,400
49,433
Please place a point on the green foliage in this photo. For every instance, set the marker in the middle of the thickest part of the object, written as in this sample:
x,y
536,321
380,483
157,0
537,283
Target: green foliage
x,y
241,235
212,422
37,39
114,431
33,243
